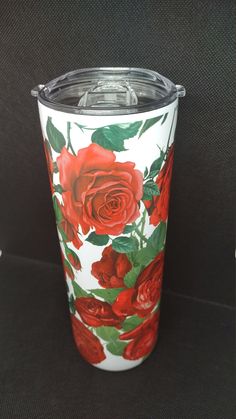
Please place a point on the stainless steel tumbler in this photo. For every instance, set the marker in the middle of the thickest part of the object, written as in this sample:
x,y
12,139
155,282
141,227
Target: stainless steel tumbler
x,y
108,138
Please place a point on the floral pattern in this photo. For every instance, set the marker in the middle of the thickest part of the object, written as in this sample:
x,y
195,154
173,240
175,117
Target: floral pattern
x,y
88,344
158,206
111,269
99,192
97,313
142,338
107,203
142,298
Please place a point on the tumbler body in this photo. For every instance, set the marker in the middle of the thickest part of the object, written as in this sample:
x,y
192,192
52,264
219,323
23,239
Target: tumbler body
x,y
110,171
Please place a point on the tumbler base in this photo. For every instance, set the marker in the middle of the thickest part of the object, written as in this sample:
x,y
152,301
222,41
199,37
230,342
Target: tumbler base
x,y
110,365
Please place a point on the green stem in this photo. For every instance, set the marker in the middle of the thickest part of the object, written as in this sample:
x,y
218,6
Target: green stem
x,y
69,140
140,232
139,224
143,225
141,236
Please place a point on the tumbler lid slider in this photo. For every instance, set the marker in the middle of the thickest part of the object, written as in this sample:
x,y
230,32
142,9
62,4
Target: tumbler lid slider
x,y
109,94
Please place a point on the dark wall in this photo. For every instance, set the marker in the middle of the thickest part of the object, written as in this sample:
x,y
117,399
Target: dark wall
x,y
191,42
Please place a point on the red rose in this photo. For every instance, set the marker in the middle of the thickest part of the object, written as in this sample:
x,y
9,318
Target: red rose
x,y
148,286
99,192
150,322
70,230
96,313
48,155
142,298
111,269
89,345
144,338
123,305
141,346
158,207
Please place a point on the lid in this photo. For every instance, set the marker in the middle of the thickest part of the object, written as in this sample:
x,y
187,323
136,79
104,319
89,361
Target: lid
x,y
108,91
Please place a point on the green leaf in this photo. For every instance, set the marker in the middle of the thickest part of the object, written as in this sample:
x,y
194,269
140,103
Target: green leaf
x,y
109,294
162,153
131,276
124,244
131,257
63,234
150,189
153,173
112,137
131,323
58,188
157,239
98,239
129,130
156,165
116,347
76,261
149,123
72,304
68,267
144,256
107,333
57,209
128,229
164,119
79,292
104,138
55,137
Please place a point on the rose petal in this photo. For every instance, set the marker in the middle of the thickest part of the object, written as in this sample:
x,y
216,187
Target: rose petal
x,y
123,304
69,169
95,157
87,343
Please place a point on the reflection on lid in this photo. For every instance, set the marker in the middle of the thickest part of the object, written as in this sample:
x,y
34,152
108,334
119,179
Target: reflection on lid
x,y
109,91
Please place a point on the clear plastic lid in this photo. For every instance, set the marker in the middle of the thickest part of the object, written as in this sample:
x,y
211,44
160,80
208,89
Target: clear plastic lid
x,y
108,91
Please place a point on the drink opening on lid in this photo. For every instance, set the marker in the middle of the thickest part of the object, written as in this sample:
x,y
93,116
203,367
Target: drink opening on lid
x,y
107,93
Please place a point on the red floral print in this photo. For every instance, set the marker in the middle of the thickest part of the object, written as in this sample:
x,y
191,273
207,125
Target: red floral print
x,y
96,313
70,230
143,338
89,345
111,269
99,192
158,206
142,298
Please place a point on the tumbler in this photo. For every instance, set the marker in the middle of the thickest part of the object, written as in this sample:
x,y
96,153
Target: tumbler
x,y
108,138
